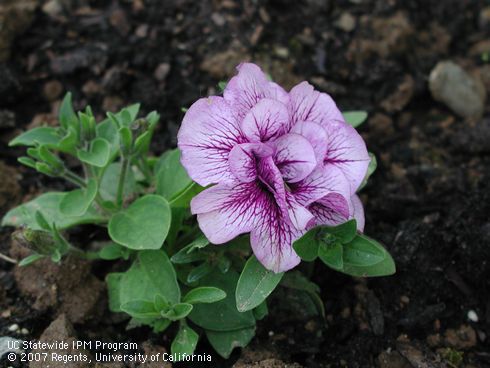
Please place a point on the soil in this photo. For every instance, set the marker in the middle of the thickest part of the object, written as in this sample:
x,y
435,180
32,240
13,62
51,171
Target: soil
x,y
429,200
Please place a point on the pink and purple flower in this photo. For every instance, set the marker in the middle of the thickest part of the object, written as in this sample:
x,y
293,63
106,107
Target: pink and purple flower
x,y
279,163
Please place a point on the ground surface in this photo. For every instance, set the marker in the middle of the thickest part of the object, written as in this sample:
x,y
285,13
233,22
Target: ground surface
x,y
429,201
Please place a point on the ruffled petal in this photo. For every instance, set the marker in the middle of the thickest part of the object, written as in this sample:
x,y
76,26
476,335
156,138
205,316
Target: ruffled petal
x,y
276,92
315,134
243,160
272,239
247,88
294,157
346,150
267,119
208,133
306,104
322,181
333,209
225,211
357,212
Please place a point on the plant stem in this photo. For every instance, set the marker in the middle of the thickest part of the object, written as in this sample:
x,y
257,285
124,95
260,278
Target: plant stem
x,y
7,258
73,178
145,169
122,180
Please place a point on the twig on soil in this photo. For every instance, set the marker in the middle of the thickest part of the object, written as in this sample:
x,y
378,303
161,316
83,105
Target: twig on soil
x,y
8,259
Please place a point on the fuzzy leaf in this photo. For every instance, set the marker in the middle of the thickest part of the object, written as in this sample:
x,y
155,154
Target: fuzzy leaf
x,y
355,118
204,294
78,201
40,135
143,225
98,155
255,285
225,341
49,205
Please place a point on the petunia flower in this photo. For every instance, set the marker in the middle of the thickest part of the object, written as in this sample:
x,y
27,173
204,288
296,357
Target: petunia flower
x,y
277,164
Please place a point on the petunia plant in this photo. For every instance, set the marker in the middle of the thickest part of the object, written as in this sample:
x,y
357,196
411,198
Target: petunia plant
x,y
272,177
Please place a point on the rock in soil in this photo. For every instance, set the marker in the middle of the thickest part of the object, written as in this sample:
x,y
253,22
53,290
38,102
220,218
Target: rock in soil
x,y
463,94
61,330
402,95
15,18
392,359
67,287
7,119
462,338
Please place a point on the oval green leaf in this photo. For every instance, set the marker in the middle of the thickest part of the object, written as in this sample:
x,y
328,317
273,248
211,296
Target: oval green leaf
x,y
185,341
204,294
255,285
49,205
78,201
171,177
362,251
355,118
42,135
228,318
143,225
331,255
98,155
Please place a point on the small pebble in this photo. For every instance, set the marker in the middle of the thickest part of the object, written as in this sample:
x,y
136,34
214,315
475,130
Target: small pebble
x,y
24,331
14,327
271,333
472,316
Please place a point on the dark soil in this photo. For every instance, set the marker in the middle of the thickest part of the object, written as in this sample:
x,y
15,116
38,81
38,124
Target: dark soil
x,y
429,200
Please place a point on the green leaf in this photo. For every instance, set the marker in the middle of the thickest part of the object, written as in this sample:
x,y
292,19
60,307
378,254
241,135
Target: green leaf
x,y
143,225
66,115
362,251
171,177
344,232
199,272
140,309
27,161
160,325
297,281
40,135
355,118
49,205
108,187
98,155
331,255
132,113
187,254
225,341
41,221
261,311
113,281
183,200
161,303
108,130
113,251
177,311
228,318
30,259
307,246
204,294
373,164
69,142
150,275
78,201
185,341
255,285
